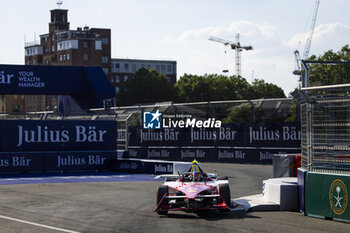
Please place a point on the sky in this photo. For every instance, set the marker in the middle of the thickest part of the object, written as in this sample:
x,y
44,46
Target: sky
x,y
179,30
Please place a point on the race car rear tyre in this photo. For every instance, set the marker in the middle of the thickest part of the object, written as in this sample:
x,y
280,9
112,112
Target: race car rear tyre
x,y
225,194
162,190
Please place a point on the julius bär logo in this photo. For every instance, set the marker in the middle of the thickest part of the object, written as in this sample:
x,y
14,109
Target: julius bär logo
x,y
5,78
152,120
338,196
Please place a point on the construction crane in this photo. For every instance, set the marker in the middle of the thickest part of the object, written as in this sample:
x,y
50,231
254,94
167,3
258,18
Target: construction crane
x,y
236,46
308,41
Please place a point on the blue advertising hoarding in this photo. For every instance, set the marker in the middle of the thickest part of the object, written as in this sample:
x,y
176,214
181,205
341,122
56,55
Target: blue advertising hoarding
x,y
207,154
61,135
234,142
53,161
87,86
233,135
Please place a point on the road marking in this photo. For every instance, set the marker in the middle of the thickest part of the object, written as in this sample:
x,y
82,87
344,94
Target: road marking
x,y
38,225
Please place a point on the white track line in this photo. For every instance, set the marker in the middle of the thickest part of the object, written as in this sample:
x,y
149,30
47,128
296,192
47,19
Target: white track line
x,y
38,225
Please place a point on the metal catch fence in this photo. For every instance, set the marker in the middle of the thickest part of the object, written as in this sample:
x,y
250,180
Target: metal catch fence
x,y
325,126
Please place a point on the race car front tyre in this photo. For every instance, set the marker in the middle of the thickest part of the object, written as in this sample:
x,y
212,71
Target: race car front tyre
x,y
163,190
225,194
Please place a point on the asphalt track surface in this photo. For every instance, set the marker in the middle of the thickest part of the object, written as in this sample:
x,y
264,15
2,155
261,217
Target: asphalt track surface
x,y
103,204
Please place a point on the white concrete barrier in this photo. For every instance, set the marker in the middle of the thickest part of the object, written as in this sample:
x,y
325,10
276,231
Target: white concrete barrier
x,y
282,191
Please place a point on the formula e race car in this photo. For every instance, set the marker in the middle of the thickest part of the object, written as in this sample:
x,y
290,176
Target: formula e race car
x,y
193,192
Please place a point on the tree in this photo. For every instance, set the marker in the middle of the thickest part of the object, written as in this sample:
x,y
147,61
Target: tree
x,y
243,113
193,88
325,74
147,86
261,89
293,110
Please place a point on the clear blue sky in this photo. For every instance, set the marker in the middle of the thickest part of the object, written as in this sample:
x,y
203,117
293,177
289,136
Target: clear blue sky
x,y
180,29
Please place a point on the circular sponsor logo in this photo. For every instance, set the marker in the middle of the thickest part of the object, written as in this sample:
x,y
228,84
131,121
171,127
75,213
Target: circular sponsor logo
x,y
338,196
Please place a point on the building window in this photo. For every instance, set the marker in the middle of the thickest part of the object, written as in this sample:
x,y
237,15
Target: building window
x,y
117,65
53,48
67,57
64,57
105,41
104,59
112,79
61,57
126,66
169,79
117,90
169,68
85,44
134,67
157,68
47,62
162,68
86,57
105,70
117,79
125,78
148,66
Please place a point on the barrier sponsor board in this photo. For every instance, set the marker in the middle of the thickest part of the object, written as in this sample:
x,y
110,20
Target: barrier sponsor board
x,y
143,166
21,162
327,195
237,134
76,160
233,155
238,142
37,135
55,161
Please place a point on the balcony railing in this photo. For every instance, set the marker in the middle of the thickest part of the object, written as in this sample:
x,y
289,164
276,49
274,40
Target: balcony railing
x,y
32,43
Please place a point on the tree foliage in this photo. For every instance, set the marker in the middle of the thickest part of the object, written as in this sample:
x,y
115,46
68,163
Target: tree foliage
x,y
325,74
244,113
261,89
147,86
193,88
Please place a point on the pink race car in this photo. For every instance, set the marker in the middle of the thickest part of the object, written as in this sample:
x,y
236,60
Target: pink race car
x,y
192,192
